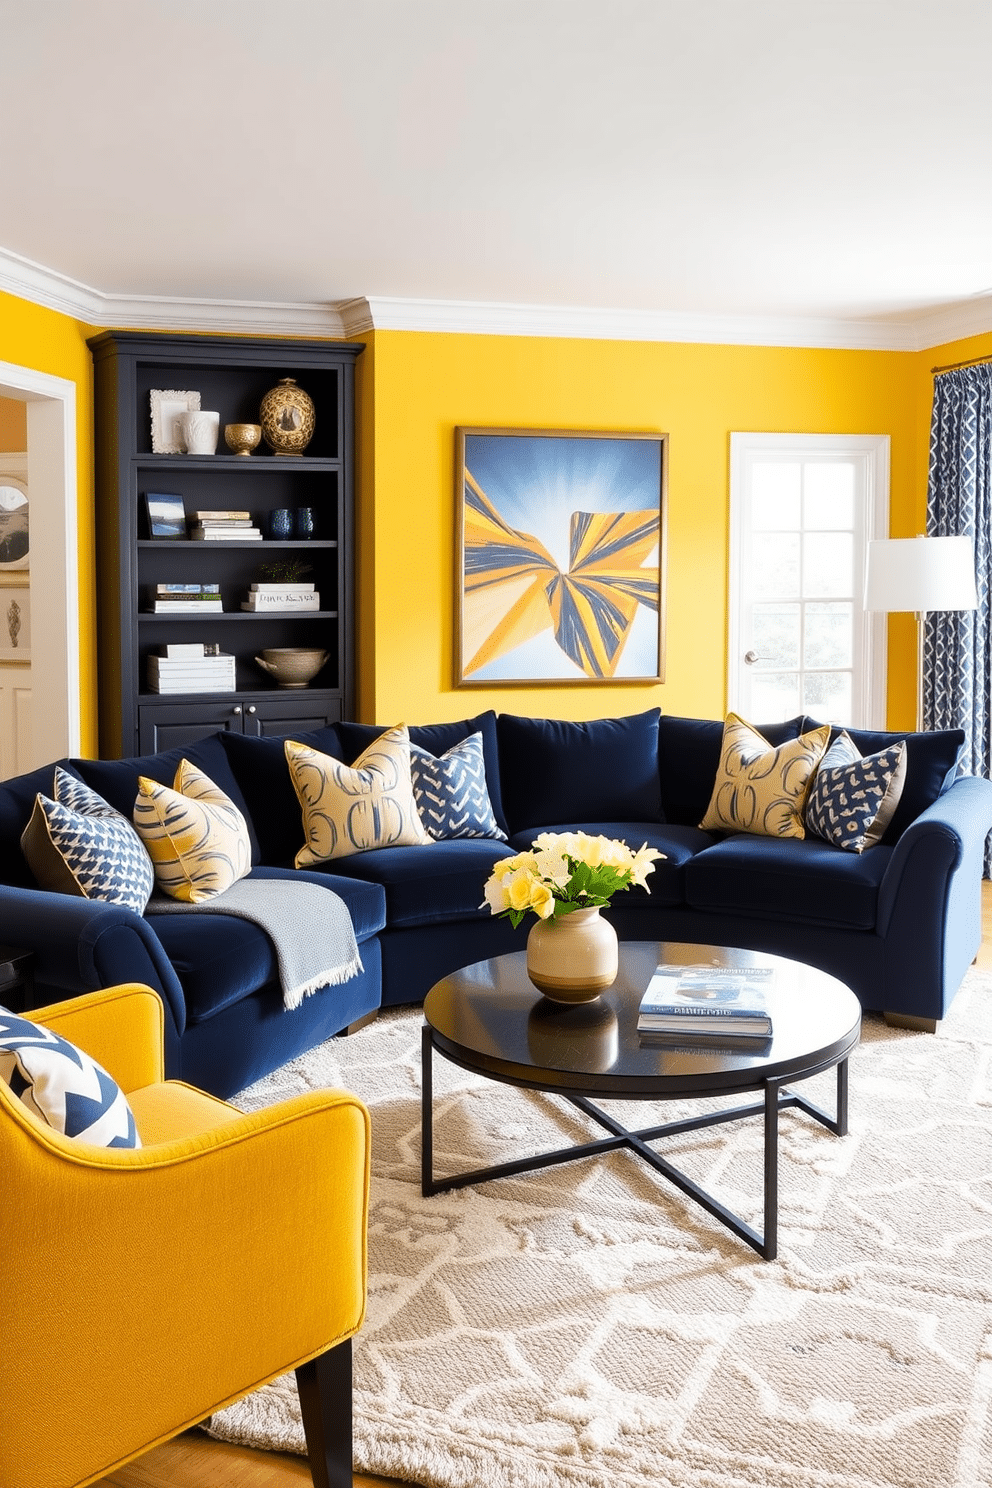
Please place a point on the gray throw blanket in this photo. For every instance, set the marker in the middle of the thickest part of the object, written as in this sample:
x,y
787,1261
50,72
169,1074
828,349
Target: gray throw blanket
x,y
309,926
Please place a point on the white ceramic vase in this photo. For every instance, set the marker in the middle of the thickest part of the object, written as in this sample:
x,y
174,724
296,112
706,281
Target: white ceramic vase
x,y
200,430
574,958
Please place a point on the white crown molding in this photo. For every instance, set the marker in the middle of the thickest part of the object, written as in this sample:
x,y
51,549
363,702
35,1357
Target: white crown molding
x,y
32,281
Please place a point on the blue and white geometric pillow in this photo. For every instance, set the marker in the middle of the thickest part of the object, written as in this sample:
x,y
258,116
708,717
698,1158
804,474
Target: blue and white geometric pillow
x,y
78,844
67,1089
854,796
451,792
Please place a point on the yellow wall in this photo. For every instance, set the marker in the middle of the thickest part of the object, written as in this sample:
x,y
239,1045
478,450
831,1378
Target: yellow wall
x,y
45,341
426,384
13,425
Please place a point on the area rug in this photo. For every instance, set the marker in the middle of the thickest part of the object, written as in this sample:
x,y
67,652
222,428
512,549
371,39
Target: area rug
x,y
589,1326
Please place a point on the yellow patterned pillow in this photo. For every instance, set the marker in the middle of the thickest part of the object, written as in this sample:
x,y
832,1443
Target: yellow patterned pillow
x,y
196,837
349,809
761,788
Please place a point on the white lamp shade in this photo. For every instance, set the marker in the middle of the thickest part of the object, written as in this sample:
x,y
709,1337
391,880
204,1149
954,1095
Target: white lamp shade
x,y
921,574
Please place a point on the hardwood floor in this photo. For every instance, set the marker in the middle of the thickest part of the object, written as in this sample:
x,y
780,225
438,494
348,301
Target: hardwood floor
x,y
193,1460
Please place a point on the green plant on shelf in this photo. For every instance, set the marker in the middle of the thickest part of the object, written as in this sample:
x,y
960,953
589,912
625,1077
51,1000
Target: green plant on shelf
x,y
285,570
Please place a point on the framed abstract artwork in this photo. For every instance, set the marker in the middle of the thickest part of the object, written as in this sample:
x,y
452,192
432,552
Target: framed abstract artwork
x,y
561,557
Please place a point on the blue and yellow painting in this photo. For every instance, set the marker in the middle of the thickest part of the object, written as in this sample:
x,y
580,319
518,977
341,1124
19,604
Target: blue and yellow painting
x,y
561,540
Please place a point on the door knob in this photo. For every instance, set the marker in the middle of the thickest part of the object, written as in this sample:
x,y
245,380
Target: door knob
x,y
236,710
751,657
251,707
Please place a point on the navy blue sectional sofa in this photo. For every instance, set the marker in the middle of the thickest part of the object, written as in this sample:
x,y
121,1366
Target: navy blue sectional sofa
x,y
899,924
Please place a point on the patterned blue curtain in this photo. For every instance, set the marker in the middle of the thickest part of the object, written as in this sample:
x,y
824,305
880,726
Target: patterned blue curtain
x,y
958,644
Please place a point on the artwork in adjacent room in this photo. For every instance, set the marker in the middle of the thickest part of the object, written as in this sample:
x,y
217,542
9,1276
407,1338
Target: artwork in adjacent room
x,y
561,557
15,623
14,514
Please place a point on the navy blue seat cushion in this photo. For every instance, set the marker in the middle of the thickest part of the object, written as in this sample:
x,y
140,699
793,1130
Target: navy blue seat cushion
x,y
689,756
221,958
552,770
801,879
17,798
117,780
262,774
437,739
667,883
429,885
931,765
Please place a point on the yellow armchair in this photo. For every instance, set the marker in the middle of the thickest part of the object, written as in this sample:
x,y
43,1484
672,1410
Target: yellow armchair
x,y
147,1288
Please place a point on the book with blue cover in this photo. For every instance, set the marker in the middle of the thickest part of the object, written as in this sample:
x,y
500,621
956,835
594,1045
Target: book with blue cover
x,y
709,1000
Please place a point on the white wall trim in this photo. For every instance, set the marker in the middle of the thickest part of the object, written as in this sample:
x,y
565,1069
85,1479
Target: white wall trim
x,y
32,281
51,413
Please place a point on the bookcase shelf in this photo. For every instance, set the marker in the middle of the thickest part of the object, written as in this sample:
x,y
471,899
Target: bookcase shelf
x,y
231,375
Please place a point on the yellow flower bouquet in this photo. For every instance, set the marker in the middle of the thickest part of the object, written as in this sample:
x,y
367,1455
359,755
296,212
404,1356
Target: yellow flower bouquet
x,y
566,871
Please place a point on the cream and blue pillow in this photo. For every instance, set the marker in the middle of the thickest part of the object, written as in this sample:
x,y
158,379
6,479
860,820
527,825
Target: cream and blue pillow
x,y
196,837
854,796
62,1086
760,788
353,808
78,844
451,791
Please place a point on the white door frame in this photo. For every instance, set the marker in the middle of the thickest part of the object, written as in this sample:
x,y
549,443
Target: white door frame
x,y
874,448
51,417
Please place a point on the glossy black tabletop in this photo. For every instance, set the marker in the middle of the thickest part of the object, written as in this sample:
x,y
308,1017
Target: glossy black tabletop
x,y
490,1018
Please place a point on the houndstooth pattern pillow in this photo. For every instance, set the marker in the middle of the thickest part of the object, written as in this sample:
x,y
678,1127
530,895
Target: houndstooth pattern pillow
x,y
451,792
854,796
78,844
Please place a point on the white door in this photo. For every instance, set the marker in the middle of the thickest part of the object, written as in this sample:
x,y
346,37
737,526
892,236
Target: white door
x,y
803,508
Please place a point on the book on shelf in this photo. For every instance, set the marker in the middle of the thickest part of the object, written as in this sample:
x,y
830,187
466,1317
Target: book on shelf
x,y
226,534
188,606
300,587
191,674
181,651
222,516
713,1001
281,602
191,684
164,590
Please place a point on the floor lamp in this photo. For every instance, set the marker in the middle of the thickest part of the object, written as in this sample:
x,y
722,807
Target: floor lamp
x,y
921,574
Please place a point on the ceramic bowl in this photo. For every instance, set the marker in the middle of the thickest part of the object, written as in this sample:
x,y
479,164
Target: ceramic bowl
x,y
292,666
242,438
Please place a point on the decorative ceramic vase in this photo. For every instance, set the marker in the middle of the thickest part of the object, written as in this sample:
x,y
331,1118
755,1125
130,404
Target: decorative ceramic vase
x,y
281,524
304,522
287,418
241,439
200,431
574,958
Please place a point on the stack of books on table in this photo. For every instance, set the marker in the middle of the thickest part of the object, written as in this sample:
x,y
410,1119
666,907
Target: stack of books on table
x,y
187,599
281,597
706,1002
224,526
190,669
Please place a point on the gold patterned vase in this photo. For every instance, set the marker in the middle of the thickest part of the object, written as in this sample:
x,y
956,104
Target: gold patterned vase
x,y
287,418
574,958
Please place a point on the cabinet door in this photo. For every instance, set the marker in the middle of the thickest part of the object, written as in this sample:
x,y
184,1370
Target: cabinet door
x,y
166,725
291,712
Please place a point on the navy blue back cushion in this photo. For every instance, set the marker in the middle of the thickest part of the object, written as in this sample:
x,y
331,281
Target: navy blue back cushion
x,y
554,771
688,758
16,805
117,780
931,764
437,739
272,805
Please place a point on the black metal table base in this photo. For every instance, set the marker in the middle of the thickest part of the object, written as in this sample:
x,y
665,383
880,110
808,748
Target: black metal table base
x,y
776,1099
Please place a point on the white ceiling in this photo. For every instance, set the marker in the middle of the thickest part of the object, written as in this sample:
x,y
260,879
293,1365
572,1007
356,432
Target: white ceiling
x,y
821,160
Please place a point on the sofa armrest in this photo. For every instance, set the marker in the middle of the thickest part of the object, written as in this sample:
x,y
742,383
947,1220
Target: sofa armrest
x,y
122,1028
83,944
929,900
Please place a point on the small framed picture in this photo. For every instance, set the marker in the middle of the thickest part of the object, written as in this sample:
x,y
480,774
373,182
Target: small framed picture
x,y
15,624
14,509
167,406
166,516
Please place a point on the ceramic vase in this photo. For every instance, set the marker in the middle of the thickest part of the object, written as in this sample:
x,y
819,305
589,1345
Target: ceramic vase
x,y
200,431
574,958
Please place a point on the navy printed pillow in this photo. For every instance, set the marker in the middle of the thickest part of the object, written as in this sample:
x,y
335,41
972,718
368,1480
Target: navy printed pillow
x,y
78,844
451,792
64,1087
854,796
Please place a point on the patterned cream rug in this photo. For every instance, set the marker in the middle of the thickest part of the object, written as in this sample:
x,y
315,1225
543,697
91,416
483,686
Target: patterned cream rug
x,y
588,1327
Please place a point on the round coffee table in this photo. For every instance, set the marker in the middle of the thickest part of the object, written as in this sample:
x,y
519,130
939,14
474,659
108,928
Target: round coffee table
x,y
491,1020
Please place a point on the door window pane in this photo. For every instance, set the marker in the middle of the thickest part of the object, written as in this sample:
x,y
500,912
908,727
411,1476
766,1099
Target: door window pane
x,y
828,564
776,565
828,495
828,637
774,695
775,494
827,696
777,631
